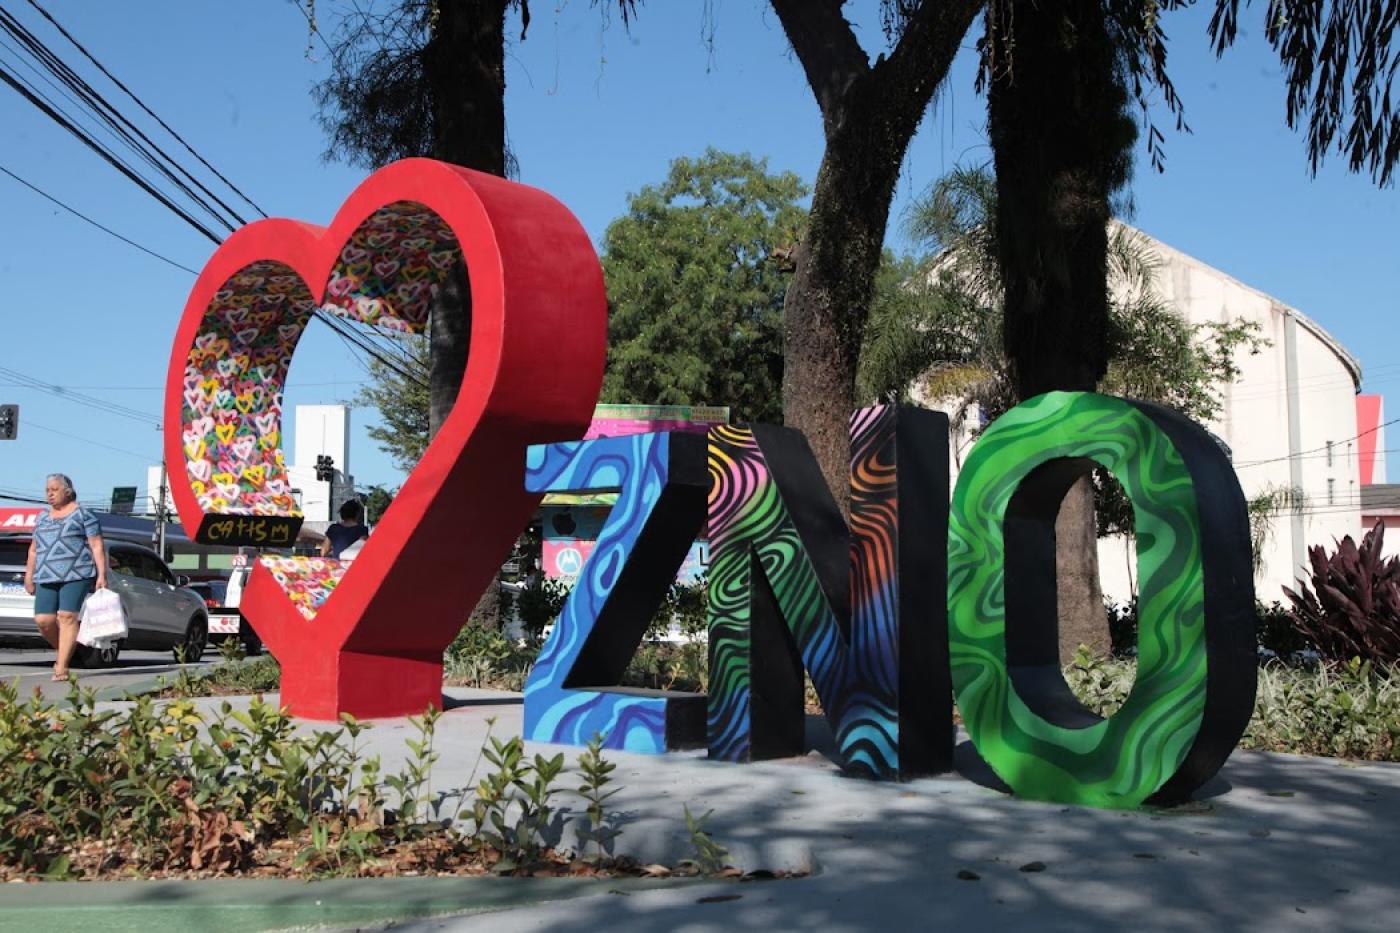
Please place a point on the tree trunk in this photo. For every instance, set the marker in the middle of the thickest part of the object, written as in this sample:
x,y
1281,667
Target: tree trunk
x,y
1078,593
1061,136
465,65
869,113
826,306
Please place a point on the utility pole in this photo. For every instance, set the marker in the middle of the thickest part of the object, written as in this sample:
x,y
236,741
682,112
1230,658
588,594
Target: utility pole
x,y
160,514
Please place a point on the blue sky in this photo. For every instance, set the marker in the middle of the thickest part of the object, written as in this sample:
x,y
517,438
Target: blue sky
x,y
593,113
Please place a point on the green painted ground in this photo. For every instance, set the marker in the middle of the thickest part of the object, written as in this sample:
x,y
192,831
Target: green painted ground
x,y
239,906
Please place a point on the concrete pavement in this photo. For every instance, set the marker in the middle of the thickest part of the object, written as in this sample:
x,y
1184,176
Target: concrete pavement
x,y
1277,842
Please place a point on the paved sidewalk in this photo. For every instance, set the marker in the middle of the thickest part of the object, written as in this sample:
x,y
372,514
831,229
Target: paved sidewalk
x,y
1279,841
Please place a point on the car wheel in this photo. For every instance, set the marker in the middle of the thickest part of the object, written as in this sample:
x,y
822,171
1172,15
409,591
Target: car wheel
x,y
191,649
86,657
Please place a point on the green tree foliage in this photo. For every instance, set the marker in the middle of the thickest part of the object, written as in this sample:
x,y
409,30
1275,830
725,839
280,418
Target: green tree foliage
x,y
427,78
400,400
940,331
696,272
1264,507
377,500
1339,69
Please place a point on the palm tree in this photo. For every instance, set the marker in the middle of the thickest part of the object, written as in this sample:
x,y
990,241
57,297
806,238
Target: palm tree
x,y
936,327
938,336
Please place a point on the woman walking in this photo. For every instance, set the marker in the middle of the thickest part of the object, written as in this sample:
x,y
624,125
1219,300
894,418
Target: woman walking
x,y
66,559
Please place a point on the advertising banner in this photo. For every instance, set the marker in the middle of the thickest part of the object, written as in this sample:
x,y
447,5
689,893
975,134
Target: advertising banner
x,y
19,519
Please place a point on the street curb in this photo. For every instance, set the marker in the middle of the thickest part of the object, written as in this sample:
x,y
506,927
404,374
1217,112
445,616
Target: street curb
x,y
125,691
235,905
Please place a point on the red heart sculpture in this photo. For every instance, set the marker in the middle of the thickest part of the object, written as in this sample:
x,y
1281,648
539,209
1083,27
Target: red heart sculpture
x,y
372,646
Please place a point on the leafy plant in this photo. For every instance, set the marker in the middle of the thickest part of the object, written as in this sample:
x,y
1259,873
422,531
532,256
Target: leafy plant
x,y
170,788
668,666
540,604
1264,507
484,657
685,607
1278,634
595,771
1349,710
231,650
412,784
513,803
709,855
231,676
1352,609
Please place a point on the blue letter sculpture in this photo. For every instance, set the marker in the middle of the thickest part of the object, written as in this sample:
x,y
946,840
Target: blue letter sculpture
x,y
571,695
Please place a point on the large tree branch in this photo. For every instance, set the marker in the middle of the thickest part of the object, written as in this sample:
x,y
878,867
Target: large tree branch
x,y
921,59
827,49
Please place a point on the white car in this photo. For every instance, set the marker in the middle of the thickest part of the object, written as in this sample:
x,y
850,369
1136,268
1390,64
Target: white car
x,y
226,620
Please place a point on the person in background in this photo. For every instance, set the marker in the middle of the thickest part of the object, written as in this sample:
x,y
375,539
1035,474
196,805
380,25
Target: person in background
x,y
66,562
347,531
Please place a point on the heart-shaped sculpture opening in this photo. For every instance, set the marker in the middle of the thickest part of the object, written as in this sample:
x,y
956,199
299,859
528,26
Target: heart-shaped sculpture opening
x,y
538,332
387,275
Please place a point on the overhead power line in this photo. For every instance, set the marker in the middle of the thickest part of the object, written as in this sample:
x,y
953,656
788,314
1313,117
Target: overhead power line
x,y
142,104
354,338
107,230
148,458
78,398
102,151
93,103
1300,453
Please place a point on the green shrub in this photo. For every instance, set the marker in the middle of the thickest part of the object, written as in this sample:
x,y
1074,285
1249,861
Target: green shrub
x,y
228,678
1278,634
540,604
685,606
161,788
668,666
1346,711
484,657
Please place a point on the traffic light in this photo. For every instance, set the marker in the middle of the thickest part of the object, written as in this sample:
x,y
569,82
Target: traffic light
x,y
9,422
325,468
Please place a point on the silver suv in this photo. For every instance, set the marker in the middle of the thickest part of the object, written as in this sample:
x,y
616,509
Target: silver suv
x,y
161,614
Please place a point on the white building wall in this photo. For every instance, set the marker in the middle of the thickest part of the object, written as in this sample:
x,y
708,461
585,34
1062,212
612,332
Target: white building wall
x,y
1255,420
321,430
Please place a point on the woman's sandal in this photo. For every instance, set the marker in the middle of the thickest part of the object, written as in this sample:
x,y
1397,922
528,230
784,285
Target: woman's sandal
x,y
59,678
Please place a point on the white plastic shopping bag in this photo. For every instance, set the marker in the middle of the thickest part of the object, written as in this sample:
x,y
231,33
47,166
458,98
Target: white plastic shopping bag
x,y
102,618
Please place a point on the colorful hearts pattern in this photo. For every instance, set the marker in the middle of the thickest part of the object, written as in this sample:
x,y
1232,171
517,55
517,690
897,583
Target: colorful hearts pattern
x,y
307,581
232,392
386,276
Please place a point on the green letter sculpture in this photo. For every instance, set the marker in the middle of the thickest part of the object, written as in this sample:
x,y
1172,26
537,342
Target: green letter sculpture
x,y
1196,657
